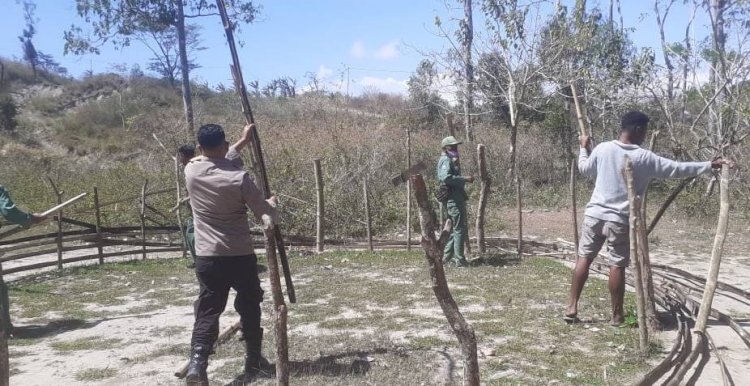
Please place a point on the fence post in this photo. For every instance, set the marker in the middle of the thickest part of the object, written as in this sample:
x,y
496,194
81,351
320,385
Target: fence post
x,y
98,226
368,219
59,195
179,204
143,218
635,211
321,206
519,247
408,192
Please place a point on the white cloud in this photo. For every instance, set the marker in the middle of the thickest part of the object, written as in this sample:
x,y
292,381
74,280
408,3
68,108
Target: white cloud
x,y
358,50
387,85
387,51
324,72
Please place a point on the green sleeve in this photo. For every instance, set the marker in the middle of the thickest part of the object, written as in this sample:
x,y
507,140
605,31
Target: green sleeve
x,y
9,210
446,176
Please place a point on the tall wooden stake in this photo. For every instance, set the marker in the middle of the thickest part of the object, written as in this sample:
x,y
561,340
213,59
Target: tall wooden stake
x,y
143,218
574,203
99,248
59,195
484,193
368,219
257,151
716,252
320,223
408,191
434,253
639,292
178,197
449,123
280,311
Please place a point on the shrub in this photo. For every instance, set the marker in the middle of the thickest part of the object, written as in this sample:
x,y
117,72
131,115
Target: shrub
x,y
8,113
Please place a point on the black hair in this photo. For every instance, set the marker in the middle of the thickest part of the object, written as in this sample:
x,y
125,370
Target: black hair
x,y
188,151
634,122
210,136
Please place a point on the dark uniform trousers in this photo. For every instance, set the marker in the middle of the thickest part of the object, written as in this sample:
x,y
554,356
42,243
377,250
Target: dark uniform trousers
x,y
216,275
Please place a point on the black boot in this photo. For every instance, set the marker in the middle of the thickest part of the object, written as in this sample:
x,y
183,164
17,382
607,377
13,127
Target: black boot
x,y
196,374
255,364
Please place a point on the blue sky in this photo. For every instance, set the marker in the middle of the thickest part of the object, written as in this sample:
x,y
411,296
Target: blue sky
x,y
379,41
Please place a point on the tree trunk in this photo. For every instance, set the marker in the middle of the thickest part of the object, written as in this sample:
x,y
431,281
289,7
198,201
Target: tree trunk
x,y
634,202
433,253
484,193
368,219
468,38
187,98
408,192
280,311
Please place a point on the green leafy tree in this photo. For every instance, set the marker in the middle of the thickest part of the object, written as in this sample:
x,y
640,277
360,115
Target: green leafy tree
x,y
120,21
423,94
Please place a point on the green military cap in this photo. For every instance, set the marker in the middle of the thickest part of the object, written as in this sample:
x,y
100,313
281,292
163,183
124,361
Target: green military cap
x,y
449,140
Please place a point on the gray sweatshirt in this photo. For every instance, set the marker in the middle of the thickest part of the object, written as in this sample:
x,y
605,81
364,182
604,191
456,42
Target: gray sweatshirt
x,y
609,201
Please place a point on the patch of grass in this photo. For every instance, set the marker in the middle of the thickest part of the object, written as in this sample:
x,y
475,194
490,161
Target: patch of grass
x,y
95,374
82,344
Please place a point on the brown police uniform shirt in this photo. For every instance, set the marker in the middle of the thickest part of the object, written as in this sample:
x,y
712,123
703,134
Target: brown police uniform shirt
x,y
220,192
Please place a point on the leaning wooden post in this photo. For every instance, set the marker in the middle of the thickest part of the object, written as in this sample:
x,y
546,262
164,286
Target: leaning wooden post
x,y
99,249
433,253
667,203
716,252
634,202
59,195
280,311
408,191
484,193
143,218
704,312
573,166
368,219
320,223
178,196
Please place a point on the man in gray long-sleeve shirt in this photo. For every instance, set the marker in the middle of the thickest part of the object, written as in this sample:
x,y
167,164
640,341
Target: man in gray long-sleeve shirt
x,y
220,193
606,215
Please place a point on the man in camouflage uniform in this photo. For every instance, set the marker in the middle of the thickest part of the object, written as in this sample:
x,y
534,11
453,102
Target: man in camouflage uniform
x,y
449,173
10,212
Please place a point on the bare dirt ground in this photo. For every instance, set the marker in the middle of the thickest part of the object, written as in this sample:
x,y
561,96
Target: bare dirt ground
x,y
362,319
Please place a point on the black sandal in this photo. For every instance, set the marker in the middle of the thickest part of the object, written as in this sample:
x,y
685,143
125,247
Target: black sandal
x,y
571,319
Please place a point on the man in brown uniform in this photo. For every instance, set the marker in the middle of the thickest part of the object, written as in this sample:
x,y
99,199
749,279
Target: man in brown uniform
x,y
220,192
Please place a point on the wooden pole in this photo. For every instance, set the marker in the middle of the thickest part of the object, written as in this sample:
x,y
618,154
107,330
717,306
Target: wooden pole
x,y
368,219
99,248
704,311
433,253
58,195
320,215
716,251
408,192
256,150
143,218
579,113
574,204
280,311
519,246
178,197
484,193
634,202
648,282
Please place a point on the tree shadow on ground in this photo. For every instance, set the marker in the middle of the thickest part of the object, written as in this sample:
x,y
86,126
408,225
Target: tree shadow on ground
x,y
55,327
328,366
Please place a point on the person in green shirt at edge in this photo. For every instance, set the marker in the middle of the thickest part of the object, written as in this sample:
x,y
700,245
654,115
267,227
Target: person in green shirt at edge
x,y
449,173
11,213
186,153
